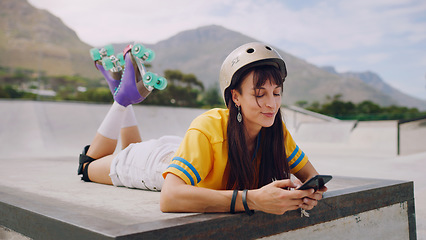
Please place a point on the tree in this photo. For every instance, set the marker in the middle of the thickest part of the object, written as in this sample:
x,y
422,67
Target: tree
x,y
9,92
183,90
337,107
366,110
368,107
302,103
212,98
99,94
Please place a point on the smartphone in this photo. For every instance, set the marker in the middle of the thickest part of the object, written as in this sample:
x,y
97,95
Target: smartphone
x,y
316,182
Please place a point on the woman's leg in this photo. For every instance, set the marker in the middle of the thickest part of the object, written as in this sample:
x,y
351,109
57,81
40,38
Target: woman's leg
x,y
105,140
102,148
120,118
92,164
120,121
130,135
98,170
129,128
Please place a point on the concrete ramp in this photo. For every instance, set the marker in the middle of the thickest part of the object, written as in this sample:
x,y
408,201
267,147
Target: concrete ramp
x,y
378,138
331,132
409,130
294,117
51,129
375,137
48,129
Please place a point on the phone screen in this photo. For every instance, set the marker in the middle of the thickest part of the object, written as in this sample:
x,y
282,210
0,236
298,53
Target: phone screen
x,y
316,182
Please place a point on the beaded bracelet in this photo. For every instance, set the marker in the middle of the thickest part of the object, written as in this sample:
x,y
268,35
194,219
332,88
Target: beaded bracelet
x,y
246,208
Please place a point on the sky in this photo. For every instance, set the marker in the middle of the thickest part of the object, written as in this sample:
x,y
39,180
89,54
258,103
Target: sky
x,y
387,37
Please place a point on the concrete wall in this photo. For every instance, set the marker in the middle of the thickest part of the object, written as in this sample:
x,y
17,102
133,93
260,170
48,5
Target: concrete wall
x,y
412,137
388,223
8,234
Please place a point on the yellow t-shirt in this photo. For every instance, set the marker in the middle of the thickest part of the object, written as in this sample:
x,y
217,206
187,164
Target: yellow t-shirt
x,y
202,157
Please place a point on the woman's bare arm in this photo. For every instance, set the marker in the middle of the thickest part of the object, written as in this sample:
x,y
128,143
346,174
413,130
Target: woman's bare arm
x,y
307,172
177,196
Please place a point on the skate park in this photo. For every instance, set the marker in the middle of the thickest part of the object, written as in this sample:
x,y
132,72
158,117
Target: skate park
x,y
377,187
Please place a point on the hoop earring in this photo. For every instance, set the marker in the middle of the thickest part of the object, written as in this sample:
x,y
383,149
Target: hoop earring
x,y
239,116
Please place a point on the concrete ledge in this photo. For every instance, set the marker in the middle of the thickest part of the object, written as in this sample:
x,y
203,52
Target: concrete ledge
x,y
40,217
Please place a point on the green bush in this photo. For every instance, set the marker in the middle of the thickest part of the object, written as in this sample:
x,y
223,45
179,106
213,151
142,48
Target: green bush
x,y
363,111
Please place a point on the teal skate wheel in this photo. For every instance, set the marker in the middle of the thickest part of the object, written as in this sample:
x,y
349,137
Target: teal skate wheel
x,y
121,59
151,55
150,79
107,63
109,49
161,83
138,50
94,53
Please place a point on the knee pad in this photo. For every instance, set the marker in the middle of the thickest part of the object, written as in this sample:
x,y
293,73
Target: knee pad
x,y
84,159
85,176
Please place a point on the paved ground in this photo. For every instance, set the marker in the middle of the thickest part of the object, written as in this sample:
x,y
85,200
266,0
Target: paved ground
x,y
40,143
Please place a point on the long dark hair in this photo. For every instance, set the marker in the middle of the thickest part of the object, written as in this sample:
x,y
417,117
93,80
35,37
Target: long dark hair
x,y
241,166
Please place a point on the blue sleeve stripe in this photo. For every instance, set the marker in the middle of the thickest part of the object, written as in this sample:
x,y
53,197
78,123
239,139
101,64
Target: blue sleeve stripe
x,y
298,160
293,154
182,160
184,171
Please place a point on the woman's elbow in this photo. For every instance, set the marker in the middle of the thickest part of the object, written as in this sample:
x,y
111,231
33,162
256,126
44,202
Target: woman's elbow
x,y
166,204
169,193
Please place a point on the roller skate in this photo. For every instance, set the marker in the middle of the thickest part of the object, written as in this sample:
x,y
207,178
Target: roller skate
x,y
109,65
135,83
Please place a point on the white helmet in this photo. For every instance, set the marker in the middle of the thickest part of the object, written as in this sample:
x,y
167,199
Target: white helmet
x,y
244,57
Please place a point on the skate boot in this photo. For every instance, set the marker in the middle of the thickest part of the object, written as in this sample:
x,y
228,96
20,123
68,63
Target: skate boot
x,y
136,83
109,65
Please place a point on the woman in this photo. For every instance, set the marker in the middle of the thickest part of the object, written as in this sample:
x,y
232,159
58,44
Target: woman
x,y
234,159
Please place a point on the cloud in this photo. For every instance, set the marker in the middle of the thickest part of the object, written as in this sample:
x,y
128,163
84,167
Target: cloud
x,y
374,58
335,26
324,25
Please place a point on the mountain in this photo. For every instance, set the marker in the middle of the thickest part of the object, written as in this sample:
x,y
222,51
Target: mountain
x,y
34,39
375,81
201,51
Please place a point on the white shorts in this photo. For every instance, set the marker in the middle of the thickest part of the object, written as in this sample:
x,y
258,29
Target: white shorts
x,y
141,165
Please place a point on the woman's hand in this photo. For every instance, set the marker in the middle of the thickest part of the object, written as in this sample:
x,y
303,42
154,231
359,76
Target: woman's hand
x,y
307,172
312,200
274,198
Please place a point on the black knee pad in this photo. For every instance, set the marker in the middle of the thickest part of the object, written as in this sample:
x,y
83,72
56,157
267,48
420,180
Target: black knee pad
x,y
84,159
85,176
